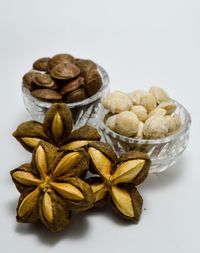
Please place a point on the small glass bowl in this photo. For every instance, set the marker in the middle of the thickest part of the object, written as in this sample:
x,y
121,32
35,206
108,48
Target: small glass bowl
x,y
83,111
163,152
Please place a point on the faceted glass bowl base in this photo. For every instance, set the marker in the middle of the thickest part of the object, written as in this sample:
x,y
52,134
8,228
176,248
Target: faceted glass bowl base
x,y
84,112
163,152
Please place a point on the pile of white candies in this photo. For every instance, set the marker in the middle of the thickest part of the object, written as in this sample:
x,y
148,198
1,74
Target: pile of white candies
x,y
142,114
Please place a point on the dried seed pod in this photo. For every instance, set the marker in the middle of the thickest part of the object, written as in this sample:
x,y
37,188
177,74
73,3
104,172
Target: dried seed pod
x,y
137,156
44,80
41,64
58,123
29,134
155,127
117,101
81,137
140,111
50,187
126,123
46,95
76,96
60,58
159,94
170,107
136,95
148,101
72,85
56,129
28,80
100,191
65,71
127,202
173,122
118,181
93,82
111,121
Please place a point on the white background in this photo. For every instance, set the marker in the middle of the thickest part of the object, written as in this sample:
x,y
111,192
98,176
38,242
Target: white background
x,y
140,43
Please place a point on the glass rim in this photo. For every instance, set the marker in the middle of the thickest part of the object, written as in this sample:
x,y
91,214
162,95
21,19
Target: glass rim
x,y
105,82
166,139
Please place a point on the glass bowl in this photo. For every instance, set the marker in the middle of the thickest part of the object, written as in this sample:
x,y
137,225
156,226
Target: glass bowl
x,y
163,152
83,111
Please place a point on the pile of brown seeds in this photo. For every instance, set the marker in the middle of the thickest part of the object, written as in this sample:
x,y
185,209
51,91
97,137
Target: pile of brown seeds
x,y
63,78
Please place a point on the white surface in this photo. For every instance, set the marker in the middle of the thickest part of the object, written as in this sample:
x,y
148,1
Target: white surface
x,y
140,43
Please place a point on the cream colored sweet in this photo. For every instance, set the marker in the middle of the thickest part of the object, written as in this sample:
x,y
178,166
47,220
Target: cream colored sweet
x,y
155,127
136,95
117,102
159,94
170,107
110,122
140,111
127,123
157,111
148,101
173,122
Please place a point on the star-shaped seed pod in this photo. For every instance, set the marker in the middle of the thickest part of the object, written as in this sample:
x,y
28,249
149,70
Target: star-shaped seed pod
x,y
118,178
50,186
56,129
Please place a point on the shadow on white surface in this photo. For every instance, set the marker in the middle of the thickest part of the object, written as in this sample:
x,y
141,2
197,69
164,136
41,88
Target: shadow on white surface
x,y
166,178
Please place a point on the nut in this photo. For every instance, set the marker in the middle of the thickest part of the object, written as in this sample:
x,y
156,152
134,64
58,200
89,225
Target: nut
x,y
140,111
41,64
155,127
148,101
136,95
140,130
159,94
170,107
46,94
157,111
126,123
110,122
117,101
174,123
65,71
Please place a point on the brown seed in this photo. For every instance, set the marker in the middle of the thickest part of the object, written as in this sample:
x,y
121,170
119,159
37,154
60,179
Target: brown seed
x,y
85,66
65,71
75,96
93,82
44,80
60,58
72,85
28,80
46,94
41,64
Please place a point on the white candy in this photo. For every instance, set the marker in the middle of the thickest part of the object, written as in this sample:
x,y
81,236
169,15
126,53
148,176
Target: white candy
x,y
126,123
173,123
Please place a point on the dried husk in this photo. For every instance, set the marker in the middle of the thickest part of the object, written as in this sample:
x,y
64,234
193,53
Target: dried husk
x,y
29,134
137,203
132,155
61,115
